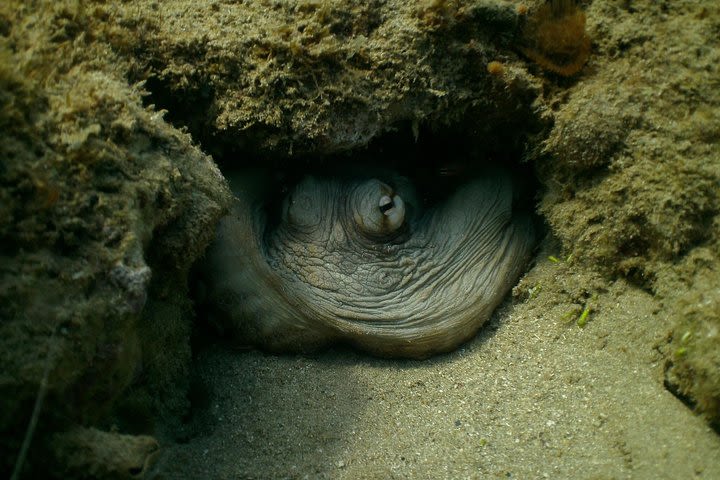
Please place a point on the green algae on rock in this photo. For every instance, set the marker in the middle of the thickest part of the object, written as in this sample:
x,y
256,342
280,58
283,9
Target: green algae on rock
x,y
632,169
87,453
100,201
692,368
287,78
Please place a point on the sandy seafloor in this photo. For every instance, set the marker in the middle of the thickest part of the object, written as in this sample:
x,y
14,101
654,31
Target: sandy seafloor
x,y
533,396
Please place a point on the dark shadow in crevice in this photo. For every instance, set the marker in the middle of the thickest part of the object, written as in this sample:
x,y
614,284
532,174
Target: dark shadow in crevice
x,y
435,159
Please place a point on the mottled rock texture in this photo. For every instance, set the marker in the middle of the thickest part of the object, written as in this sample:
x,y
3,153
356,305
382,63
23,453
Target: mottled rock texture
x,y
103,206
632,169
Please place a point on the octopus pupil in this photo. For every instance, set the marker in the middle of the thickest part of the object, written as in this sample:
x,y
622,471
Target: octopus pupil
x,y
384,207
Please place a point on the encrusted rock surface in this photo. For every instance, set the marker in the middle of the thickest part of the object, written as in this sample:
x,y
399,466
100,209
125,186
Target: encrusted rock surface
x,y
103,207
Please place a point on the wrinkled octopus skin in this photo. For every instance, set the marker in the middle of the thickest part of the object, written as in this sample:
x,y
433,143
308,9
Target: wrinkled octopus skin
x,y
357,262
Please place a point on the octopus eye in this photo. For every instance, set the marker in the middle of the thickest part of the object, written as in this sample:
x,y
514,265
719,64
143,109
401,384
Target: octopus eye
x,y
386,204
394,211
378,211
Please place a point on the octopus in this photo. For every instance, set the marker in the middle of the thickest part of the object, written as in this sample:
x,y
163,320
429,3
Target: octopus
x,y
360,260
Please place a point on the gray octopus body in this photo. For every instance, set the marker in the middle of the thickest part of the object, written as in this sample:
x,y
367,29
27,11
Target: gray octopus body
x,y
356,261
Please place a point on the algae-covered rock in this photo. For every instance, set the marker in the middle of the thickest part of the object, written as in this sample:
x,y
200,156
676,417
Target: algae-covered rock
x,y
632,167
101,202
692,367
88,453
635,177
284,78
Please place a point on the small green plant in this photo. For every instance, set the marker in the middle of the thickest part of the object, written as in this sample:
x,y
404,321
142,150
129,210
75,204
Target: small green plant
x,y
682,350
583,318
555,259
580,315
